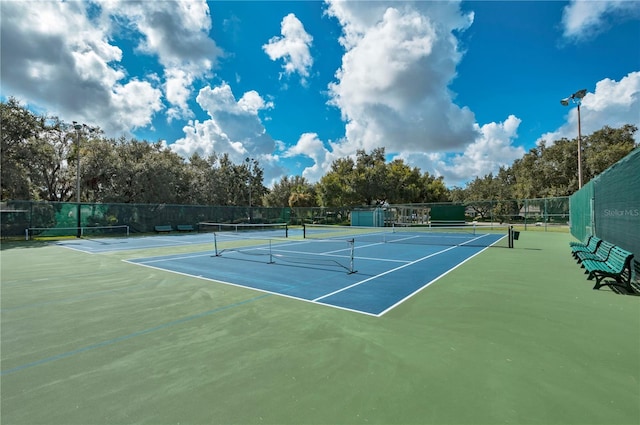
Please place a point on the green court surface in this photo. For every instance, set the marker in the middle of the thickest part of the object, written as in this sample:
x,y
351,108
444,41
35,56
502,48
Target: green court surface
x,y
513,336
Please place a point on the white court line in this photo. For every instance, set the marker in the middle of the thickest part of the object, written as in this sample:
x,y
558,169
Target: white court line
x,y
253,288
382,274
391,307
159,260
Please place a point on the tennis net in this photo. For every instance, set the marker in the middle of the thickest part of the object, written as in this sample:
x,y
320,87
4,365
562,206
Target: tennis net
x,y
274,229
54,232
326,254
465,235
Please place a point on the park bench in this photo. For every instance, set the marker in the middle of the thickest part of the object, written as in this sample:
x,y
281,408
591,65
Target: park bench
x,y
185,228
617,266
161,229
591,246
600,254
581,243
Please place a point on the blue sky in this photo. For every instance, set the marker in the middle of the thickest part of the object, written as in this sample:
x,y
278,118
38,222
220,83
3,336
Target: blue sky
x,y
457,89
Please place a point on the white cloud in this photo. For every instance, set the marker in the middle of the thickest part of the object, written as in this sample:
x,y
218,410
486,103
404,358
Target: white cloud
x,y
613,104
392,86
137,102
252,102
292,47
584,19
63,57
234,127
492,150
311,146
177,91
176,32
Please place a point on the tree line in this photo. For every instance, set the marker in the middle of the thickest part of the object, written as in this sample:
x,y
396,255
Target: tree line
x,y
40,154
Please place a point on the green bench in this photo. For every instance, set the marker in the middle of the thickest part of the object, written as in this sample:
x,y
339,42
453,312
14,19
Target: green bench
x,y
576,244
600,254
617,266
163,229
589,247
185,228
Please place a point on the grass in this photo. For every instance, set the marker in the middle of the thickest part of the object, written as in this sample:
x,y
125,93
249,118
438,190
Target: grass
x,y
513,336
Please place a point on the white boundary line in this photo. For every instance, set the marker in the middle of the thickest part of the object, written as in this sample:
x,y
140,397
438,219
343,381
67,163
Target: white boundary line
x,y
382,274
237,285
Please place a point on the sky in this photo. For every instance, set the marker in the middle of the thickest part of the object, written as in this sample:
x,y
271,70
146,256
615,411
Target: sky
x,y
457,89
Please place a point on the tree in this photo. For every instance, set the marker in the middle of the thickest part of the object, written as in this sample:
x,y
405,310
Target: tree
x,y
606,147
433,189
17,127
478,192
39,157
288,189
405,184
52,165
370,177
143,172
337,187
255,177
203,175
551,171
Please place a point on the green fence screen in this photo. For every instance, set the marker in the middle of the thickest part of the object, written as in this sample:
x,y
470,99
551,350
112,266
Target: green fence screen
x,y
613,199
17,216
141,218
581,212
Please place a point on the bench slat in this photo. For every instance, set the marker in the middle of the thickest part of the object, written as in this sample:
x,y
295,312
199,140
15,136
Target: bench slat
x,y
600,254
591,247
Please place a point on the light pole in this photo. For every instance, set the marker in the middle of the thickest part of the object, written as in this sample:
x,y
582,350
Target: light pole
x,y
577,99
78,127
249,162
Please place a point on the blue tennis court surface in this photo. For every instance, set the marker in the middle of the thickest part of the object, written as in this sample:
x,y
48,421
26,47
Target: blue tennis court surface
x,y
364,277
104,245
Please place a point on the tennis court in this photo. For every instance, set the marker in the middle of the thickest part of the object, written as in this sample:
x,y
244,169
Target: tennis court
x,y
144,334
365,270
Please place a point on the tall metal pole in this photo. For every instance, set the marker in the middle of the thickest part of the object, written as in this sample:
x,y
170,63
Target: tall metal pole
x,y
78,127
78,166
579,151
249,161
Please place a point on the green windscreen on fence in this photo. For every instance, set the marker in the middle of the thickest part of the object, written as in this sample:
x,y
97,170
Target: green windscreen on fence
x,y
447,213
61,218
610,204
581,212
50,217
617,203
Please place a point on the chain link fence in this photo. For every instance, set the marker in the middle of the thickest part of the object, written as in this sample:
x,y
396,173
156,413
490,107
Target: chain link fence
x,y
18,216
